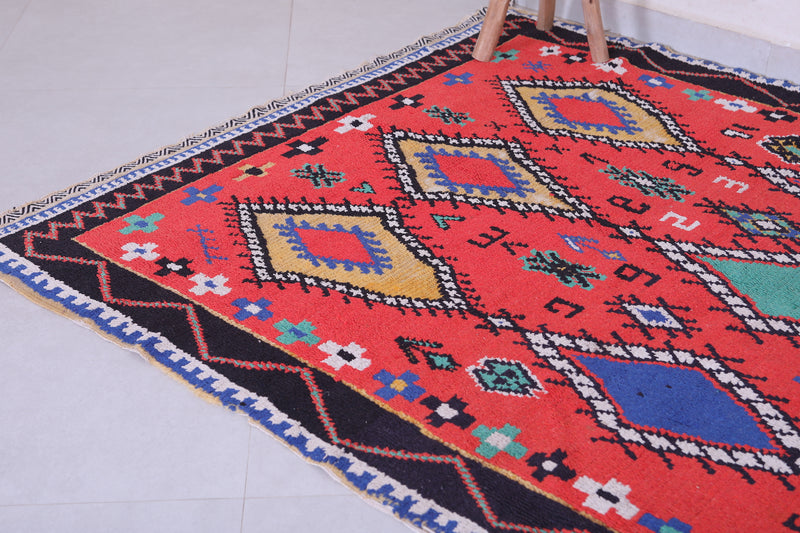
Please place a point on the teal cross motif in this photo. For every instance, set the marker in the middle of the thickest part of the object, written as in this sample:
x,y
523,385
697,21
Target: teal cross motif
x,y
494,441
145,225
510,55
296,332
694,96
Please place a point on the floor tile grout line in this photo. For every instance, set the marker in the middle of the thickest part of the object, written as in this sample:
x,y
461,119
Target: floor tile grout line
x,y
288,46
121,88
169,500
115,502
15,25
246,474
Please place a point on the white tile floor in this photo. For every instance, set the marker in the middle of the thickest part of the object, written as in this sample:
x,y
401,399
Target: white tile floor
x,y
93,438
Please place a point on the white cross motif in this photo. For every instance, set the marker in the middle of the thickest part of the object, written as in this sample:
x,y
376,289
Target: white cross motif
x,y
603,498
204,284
350,123
350,355
144,251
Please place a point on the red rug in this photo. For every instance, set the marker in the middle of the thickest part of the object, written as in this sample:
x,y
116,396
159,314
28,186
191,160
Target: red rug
x,y
529,294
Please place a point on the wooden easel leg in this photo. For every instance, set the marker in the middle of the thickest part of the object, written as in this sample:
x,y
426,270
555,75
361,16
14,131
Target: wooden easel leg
x,y
491,30
595,31
544,18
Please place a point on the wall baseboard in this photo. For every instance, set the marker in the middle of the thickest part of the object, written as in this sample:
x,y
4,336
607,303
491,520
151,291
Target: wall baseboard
x,y
688,37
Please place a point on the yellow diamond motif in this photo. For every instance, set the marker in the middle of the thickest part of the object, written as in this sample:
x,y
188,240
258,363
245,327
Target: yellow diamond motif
x,y
362,251
599,112
493,172
479,171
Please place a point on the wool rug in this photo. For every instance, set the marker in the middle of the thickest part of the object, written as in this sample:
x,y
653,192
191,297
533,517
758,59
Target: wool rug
x,y
532,294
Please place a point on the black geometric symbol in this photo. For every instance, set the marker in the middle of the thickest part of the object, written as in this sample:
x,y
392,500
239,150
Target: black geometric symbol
x,y
551,465
451,411
305,147
413,348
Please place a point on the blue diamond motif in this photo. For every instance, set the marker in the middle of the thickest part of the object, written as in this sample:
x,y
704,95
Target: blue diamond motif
x,y
679,400
651,315
511,184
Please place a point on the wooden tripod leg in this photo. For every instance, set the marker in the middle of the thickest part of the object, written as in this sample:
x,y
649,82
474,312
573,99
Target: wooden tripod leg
x,y
491,30
595,32
544,18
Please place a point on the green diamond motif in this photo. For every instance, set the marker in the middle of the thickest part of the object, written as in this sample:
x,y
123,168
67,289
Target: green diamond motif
x,y
758,281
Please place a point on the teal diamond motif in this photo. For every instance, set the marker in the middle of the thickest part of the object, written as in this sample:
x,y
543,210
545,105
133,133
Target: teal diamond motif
x,y
505,377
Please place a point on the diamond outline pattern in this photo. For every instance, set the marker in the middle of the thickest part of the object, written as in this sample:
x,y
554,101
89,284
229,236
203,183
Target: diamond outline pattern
x,y
781,147
676,399
685,143
452,298
488,368
407,176
751,317
785,461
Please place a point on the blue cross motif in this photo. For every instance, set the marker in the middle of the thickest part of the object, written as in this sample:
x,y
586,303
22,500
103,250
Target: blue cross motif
x,y
657,81
402,385
453,79
249,309
196,195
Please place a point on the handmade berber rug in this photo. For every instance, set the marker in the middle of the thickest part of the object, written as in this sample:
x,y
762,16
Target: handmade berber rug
x,y
530,294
